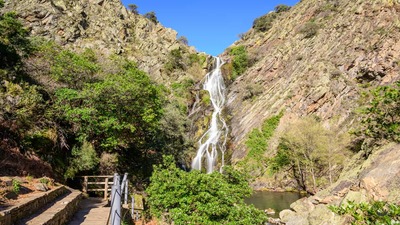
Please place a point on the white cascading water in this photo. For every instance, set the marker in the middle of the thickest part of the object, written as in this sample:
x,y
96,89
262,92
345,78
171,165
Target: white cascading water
x,y
214,138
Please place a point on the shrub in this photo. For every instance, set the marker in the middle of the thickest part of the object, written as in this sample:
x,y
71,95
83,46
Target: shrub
x,y
44,180
14,43
196,198
282,8
264,23
75,69
239,60
175,60
183,40
309,29
16,186
382,116
376,212
151,16
252,91
133,8
84,158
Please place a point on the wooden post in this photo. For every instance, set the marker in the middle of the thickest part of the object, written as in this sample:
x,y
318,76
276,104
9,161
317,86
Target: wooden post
x,y
106,188
85,184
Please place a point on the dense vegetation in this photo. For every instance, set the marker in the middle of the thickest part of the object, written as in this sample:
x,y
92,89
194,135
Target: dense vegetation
x,y
80,112
198,198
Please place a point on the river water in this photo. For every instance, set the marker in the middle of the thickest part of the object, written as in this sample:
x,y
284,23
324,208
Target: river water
x,y
277,201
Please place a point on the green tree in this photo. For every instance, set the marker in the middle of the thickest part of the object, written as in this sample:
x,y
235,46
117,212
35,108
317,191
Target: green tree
x,y
133,8
307,148
382,116
83,159
196,198
75,69
114,112
151,16
14,44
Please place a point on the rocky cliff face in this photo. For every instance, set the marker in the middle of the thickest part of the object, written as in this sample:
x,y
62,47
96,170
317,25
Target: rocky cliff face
x,y
105,26
316,59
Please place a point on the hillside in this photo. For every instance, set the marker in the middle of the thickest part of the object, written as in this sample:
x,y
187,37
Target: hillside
x,y
355,46
106,26
311,68
78,46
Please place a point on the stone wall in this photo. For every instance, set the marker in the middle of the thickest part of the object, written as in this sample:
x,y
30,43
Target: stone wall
x,y
29,206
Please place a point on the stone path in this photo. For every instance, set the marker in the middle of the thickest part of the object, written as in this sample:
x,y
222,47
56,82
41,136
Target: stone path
x,y
93,211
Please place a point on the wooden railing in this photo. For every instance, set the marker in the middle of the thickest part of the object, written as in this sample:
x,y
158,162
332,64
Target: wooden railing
x,y
98,184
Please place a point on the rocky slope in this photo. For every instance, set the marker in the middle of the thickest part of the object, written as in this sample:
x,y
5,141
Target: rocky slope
x,y
105,26
320,69
317,59
375,179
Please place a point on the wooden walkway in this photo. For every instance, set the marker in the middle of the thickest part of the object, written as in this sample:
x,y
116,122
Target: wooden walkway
x,y
92,212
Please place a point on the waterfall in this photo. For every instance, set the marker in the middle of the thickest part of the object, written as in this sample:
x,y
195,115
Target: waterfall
x,y
214,138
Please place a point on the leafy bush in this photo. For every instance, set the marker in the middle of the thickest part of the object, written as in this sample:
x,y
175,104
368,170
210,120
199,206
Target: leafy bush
x,y
181,197
20,103
309,29
75,69
183,40
382,116
84,158
133,8
175,60
239,60
14,43
264,23
282,8
44,180
197,58
16,186
377,212
151,16
117,111
252,91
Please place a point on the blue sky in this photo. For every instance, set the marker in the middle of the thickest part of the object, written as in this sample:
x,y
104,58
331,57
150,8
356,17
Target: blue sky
x,y
210,26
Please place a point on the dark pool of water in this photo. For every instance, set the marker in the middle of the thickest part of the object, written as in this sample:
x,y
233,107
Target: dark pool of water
x,y
274,200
